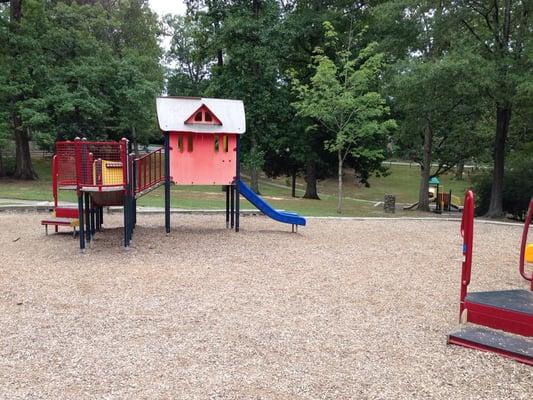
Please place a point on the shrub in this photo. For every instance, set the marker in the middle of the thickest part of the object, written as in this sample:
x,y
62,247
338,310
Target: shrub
x,y
517,185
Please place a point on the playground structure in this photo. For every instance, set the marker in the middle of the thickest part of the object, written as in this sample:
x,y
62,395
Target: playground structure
x,y
201,147
444,201
497,321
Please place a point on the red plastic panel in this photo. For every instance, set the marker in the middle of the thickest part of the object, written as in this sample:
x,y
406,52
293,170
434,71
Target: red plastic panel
x,y
64,212
202,159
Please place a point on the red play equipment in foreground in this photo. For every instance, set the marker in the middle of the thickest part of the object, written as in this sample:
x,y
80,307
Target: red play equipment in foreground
x,y
496,321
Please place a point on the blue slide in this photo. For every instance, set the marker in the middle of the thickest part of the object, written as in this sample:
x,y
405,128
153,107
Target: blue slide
x,y
265,208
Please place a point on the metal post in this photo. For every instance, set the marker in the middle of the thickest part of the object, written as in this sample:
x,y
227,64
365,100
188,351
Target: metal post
x,y
87,218
126,241
101,216
167,182
237,202
134,181
232,206
227,206
92,211
80,220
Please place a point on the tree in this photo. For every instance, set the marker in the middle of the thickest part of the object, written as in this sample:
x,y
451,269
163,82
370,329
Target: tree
x,y
19,46
190,56
251,40
302,31
344,100
85,70
501,33
446,128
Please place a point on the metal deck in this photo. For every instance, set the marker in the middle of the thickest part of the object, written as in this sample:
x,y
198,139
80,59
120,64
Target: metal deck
x,y
511,300
517,347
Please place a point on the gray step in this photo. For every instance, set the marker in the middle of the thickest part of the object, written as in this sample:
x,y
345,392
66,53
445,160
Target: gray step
x,y
507,344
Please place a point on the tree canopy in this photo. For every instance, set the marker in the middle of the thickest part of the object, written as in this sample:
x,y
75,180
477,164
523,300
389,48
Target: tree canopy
x,y
327,85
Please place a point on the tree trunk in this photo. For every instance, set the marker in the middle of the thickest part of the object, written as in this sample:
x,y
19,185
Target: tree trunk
x,y
310,181
2,170
339,188
23,164
459,170
503,116
293,183
15,10
425,169
135,142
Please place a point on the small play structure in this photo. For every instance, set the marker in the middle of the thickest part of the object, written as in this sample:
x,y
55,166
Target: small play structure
x,y
201,147
444,201
496,321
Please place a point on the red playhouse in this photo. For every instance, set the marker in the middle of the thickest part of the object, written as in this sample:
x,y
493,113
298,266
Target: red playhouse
x,y
201,147
496,321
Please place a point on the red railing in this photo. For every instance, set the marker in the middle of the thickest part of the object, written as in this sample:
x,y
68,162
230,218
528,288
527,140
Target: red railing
x,y
524,242
88,157
467,232
65,163
148,171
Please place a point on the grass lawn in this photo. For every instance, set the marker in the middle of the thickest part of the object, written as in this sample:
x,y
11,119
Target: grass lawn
x,y
402,182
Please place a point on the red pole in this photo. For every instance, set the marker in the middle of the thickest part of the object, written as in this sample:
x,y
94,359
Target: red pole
x,y
467,232
54,179
524,242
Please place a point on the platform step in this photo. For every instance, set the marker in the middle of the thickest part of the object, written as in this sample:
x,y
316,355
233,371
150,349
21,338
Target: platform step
x,y
513,300
60,221
519,348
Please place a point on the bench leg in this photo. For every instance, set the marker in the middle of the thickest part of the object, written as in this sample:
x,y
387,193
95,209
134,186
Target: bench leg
x,y
46,229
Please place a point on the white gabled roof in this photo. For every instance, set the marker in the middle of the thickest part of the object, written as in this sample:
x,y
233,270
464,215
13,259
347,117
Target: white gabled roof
x,y
172,112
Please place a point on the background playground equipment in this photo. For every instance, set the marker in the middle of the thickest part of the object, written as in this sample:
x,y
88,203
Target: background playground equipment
x,y
202,147
444,201
497,321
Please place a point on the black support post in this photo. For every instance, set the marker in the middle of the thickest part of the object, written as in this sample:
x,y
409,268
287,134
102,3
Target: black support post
x,y
227,206
81,221
126,219
167,182
87,217
93,219
237,200
101,216
232,206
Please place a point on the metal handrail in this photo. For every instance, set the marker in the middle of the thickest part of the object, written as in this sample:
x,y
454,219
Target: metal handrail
x,y
524,242
467,232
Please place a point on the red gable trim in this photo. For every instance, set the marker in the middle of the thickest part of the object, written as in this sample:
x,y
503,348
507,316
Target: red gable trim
x,y
203,116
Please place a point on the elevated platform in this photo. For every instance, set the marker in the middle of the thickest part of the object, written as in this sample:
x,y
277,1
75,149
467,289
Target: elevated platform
x,y
482,338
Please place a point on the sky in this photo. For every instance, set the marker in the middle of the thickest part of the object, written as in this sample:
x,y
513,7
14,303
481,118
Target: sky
x,y
163,7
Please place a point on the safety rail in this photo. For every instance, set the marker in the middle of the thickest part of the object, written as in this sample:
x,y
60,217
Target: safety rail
x,y
467,232
101,165
148,171
527,223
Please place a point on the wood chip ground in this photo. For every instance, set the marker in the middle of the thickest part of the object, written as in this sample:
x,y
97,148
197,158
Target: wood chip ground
x,y
342,310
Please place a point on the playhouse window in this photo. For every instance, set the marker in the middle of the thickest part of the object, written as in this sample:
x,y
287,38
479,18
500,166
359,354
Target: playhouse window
x,y
189,143
203,116
180,143
216,143
225,143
